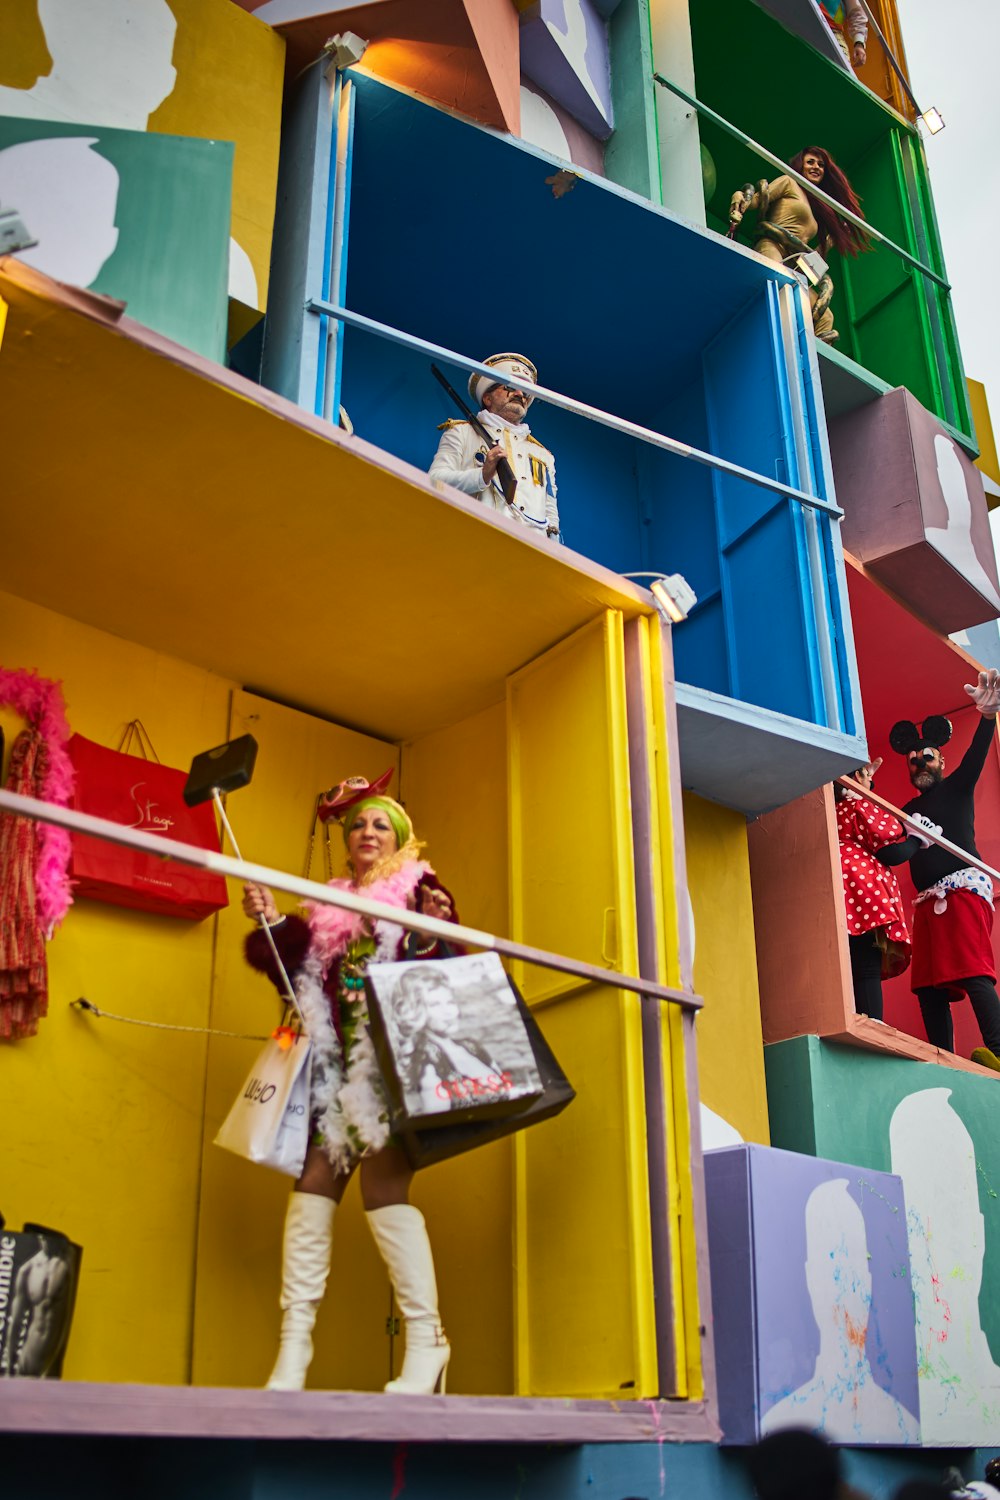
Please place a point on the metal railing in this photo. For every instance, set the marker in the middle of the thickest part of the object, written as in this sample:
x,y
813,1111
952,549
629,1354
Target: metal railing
x,y
578,408
311,890
775,161
975,860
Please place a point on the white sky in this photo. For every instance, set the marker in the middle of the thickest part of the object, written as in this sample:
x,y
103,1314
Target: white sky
x,y
952,48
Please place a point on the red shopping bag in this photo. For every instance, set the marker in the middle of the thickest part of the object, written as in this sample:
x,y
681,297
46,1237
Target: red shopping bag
x,y
141,794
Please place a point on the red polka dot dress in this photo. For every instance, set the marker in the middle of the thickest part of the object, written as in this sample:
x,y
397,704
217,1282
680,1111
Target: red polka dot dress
x,y
871,892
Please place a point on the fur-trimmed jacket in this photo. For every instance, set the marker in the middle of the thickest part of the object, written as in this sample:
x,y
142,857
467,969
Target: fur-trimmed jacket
x,y
349,1108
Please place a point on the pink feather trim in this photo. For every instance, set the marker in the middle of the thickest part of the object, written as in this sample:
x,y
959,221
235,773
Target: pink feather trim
x,y
40,702
333,928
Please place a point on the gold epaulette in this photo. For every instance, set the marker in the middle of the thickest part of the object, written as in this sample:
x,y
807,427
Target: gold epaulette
x,y
452,422
533,439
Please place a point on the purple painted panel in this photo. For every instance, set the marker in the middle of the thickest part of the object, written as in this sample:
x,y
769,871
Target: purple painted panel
x,y
564,50
730,1241
831,1299
915,511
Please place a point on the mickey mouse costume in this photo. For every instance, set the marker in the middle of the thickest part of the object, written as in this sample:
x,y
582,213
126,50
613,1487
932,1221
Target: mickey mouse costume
x,y
953,911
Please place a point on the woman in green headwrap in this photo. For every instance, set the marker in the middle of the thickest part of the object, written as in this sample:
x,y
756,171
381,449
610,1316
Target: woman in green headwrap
x,y
326,954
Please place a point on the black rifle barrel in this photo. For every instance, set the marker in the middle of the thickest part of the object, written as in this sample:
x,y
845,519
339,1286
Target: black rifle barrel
x,y
504,472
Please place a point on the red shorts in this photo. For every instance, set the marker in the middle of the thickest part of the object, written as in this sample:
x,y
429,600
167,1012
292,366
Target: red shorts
x,y
953,944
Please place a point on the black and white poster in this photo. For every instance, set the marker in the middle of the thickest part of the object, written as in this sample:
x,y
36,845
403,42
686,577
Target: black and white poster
x,y
450,1039
39,1270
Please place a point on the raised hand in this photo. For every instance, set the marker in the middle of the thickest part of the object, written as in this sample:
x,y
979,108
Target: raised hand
x,y
986,692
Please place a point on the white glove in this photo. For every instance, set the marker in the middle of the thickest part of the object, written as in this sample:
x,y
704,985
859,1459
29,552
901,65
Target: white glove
x,y
915,822
986,694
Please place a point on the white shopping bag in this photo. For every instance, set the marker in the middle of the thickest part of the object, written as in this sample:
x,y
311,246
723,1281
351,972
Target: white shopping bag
x,y
269,1122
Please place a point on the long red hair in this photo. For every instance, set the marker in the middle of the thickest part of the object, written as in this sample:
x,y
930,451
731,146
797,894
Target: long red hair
x,y
833,230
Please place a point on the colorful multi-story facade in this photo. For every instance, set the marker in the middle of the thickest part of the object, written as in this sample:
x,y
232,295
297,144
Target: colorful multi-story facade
x,y
220,522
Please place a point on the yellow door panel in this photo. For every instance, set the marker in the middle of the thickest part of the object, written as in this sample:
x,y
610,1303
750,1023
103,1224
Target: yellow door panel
x,y
571,841
583,1253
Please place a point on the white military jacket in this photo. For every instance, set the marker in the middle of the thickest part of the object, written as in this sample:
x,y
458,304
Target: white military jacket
x,y
459,462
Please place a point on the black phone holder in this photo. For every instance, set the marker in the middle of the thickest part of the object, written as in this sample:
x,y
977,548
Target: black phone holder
x,y
224,769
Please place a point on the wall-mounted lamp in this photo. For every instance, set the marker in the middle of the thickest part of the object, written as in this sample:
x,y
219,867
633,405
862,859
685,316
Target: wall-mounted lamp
x,y
933,119
345,49
675,598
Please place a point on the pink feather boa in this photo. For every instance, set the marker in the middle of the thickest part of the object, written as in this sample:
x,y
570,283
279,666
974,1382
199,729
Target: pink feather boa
x,y
40,702
333,928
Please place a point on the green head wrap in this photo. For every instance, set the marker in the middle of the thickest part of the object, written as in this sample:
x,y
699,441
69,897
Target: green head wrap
x,y
398,817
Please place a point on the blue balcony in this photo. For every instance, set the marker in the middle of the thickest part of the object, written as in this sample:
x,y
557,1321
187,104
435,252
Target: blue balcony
x,y
682,395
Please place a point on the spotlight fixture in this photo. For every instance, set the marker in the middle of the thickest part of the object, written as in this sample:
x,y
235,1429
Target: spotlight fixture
x,y
14,235
675,598
345,49
934,121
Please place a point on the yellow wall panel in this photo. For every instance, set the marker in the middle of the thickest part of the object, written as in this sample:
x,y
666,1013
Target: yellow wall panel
x,y
454,786
730,1044
987,460
230,73
110,1115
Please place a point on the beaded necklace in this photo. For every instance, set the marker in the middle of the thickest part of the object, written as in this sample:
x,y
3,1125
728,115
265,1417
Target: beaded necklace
x,y
351,989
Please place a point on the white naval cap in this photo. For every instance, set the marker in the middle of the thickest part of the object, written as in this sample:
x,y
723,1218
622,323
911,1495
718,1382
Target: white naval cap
x,y
512,366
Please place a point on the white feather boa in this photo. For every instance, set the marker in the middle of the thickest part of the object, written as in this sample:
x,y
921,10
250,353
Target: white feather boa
x,y
349,1105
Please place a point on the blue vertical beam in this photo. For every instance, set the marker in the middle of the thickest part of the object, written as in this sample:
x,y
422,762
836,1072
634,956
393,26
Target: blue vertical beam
x,y
295,340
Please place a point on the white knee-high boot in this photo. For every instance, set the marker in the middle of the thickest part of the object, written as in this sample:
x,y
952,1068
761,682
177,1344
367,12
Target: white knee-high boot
x,y
401,1236
305,1267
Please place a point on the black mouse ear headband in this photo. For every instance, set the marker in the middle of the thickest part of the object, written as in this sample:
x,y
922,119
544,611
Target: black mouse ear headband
x,y
935,731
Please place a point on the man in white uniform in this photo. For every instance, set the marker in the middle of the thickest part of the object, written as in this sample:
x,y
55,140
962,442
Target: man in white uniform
x,y
464,460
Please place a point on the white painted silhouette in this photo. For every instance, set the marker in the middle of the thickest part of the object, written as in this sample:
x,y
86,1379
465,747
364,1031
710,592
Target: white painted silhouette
x,y
716,1132
67,195
959,1382
540,125
842,1399
111,63
954,541
242,280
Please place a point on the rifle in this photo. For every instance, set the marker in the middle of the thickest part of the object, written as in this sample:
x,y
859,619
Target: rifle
x,y
504,472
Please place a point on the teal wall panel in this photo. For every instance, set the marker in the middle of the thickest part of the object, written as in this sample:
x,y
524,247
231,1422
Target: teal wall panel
x,y
631,156
140,217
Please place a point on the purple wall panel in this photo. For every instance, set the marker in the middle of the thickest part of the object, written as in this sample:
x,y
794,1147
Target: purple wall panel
x,y
827,1284
915,511
564,50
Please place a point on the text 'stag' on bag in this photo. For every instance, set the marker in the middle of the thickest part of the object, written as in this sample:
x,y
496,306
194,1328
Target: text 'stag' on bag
x,y
141,794
450,1041
269,1121
39,1273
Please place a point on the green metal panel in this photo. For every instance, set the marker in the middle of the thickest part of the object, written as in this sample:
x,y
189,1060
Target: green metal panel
x,y
631,157
892,320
